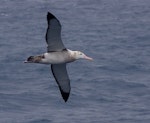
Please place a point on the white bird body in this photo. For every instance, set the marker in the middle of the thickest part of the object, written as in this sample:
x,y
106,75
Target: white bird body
x,y
65,56
57,55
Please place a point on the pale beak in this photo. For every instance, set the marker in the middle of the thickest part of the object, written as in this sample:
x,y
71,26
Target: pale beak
x,y
88,58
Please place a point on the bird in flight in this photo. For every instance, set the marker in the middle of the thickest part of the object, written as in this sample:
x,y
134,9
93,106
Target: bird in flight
x,y
57,55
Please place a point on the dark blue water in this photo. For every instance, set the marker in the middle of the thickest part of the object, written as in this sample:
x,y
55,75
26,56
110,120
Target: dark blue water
x,y
114,88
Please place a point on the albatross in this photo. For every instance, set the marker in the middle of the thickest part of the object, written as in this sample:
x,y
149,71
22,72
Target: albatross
x,y
57,55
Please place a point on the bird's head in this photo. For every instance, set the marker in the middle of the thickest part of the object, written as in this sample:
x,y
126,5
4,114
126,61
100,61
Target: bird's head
x,y
80,55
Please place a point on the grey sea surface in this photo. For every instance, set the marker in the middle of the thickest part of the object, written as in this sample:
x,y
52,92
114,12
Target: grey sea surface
x,y
114,88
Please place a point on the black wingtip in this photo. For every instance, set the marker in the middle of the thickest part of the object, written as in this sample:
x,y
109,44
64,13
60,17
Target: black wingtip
x,y
65,95
50,16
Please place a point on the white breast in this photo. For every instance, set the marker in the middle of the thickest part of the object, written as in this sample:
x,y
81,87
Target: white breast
x,y
57,57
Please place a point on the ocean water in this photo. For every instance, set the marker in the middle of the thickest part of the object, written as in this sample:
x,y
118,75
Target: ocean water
x,y
114,88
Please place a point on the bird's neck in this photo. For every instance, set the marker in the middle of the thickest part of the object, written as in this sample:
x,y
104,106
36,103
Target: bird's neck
x,y
73,54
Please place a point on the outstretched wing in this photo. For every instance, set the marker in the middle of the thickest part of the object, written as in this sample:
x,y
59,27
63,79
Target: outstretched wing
x,y
53,34
60,74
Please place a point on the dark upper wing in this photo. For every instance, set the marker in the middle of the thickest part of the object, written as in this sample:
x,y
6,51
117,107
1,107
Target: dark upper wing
x,y
60,74
53,34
